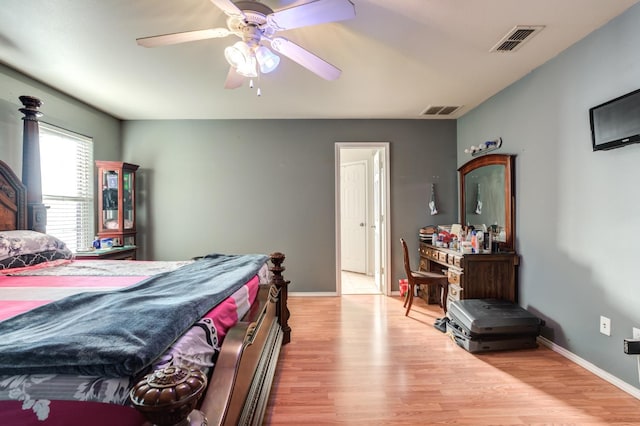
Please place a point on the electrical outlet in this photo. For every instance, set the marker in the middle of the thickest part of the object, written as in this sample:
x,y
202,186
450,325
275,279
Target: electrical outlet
x,y
605,326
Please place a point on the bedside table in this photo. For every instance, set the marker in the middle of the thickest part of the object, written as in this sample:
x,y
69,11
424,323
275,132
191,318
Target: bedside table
x,y
114,253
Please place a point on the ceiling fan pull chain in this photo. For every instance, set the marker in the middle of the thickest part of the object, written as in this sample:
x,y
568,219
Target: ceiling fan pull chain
x,y
259,91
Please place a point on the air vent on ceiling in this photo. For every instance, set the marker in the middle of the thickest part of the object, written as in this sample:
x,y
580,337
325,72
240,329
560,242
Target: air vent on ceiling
x,y
516,38
440,110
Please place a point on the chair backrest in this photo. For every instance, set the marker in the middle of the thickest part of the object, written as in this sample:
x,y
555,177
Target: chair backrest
x,y
405,251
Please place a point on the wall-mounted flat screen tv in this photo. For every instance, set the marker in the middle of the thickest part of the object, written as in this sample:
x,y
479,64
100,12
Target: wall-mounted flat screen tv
x,y
616,123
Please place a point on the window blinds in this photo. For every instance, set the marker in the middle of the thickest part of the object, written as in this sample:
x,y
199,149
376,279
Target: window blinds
x,y
67,185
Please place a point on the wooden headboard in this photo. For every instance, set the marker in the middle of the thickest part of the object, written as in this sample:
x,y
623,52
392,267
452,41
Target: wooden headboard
x,y
21,204
31,176
13,200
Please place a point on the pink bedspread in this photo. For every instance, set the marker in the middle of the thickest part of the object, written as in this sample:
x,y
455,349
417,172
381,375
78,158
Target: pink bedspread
x,y
20,293
58,399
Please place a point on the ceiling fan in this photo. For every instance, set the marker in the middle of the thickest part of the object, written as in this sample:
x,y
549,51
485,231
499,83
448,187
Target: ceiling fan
x,y
256,24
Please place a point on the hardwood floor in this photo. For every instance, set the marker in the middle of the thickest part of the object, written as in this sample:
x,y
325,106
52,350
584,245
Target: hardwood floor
x,y
354,283
358,360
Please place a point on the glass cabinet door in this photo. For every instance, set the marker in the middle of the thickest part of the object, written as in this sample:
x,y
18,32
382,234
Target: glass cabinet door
x,y
129,211
110,196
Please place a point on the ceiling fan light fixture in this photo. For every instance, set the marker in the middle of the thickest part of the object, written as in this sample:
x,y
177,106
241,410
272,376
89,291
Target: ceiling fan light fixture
x,y
242,59
249,69
267,60
237,55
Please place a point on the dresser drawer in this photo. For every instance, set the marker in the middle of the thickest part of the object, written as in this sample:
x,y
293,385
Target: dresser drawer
x,y
429,253
454,294
454,277
433,254
442,256
455,291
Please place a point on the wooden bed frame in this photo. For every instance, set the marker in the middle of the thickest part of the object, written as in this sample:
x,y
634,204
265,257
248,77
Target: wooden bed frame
x,y
238,390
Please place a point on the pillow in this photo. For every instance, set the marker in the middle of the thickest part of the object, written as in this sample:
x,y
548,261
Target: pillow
x,y
19,249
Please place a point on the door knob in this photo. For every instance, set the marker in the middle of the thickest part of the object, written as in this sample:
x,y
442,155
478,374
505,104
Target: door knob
x,y
361,223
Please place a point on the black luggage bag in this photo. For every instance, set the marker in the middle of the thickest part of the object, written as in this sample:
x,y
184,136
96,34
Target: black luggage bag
x,y
481,325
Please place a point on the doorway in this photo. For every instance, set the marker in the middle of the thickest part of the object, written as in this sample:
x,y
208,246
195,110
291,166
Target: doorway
x,y
362,215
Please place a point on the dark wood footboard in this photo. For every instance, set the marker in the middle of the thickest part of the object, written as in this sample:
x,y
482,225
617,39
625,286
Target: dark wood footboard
x,y
239,387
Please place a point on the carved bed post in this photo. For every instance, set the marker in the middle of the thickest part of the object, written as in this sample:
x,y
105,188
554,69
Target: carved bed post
x,y
31,177
282,284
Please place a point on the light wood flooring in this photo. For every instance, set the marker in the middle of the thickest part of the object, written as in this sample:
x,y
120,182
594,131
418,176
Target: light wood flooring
x,y
357,360
354,283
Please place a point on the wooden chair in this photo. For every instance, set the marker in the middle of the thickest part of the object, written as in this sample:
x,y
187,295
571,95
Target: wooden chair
x,y
415,278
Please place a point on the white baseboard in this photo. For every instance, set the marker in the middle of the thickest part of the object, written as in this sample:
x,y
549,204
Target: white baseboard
x,y
313,294
326,294
631,390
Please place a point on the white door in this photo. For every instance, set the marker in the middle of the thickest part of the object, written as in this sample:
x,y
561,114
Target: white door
x,y
378,222
353,212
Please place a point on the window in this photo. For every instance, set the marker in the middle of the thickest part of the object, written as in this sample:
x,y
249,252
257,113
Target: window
x,y
66,161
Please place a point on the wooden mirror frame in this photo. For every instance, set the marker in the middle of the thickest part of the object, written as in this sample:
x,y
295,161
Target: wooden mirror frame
x,y
508,161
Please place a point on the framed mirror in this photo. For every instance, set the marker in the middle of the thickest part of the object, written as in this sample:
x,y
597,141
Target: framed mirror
x,y
487,197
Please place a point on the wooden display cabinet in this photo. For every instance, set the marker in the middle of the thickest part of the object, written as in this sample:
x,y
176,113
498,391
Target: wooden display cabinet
x,y
117,202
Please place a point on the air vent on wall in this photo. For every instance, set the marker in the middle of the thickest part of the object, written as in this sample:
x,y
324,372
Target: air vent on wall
x,y
516,38
440,110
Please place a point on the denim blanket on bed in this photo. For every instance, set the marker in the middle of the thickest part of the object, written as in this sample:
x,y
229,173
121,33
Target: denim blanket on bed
x,y
119,333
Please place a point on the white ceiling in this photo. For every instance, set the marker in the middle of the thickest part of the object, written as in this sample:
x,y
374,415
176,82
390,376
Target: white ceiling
x,y
397,57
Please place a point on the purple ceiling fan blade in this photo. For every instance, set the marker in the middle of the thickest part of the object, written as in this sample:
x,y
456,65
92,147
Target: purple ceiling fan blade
x,y
175,38
312,13
305,58
234,80
228,7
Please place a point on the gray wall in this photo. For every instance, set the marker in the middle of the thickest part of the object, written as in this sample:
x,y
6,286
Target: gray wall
x,y
577,210
267,185
58,109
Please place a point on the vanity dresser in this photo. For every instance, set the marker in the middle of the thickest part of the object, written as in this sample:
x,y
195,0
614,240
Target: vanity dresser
x,y
471,276
487,198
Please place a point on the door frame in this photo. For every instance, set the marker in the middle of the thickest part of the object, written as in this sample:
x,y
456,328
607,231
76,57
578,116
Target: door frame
x,y
386,209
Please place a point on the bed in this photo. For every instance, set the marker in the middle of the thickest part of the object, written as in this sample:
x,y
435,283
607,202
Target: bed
x,y
230,307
